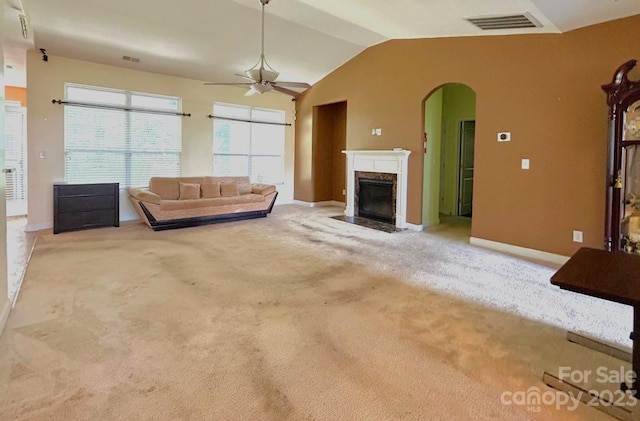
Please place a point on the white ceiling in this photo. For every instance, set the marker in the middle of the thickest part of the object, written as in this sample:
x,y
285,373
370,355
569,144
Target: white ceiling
x,y
305,39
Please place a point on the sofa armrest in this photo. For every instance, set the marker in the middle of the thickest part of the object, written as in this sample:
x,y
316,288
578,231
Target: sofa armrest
x,y
144,195
262,189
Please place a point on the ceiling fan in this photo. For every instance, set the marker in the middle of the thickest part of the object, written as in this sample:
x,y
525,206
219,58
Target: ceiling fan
x,y
262,77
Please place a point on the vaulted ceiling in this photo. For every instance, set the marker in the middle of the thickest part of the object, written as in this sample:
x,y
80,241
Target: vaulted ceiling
x,y
305,39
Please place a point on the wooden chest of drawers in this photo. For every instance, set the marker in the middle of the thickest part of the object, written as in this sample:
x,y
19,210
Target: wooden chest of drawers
x,y
83,206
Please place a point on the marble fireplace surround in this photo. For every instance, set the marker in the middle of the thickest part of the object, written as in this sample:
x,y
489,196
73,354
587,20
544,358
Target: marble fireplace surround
x,y
383,162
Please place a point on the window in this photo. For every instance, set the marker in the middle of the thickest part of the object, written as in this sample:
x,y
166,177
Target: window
x,y
249,148
106,145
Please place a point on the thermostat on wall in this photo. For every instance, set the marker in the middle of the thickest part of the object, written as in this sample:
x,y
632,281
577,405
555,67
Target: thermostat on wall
x,y
504,137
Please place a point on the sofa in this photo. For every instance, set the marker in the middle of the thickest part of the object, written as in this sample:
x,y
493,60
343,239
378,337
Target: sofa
x,y
178,202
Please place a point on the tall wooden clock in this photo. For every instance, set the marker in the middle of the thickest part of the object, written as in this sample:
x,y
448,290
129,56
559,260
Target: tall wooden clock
x,y
622,224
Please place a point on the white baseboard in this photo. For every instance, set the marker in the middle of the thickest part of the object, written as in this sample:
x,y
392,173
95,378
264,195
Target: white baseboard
x,y
288,202
430,223
4,314
38,227
413,227
519,251
319,204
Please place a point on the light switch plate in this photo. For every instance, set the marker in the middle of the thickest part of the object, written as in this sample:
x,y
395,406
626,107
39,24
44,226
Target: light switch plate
x,y
378,132
525,164
577,237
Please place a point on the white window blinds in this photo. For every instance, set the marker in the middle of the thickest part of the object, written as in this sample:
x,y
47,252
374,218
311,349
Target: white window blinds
x,y
15,169
104,145
249,148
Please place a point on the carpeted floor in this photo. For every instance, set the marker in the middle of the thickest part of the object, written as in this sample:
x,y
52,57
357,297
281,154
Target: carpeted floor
x,y
294,317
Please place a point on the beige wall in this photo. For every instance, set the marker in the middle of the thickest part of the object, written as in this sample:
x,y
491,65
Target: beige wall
x,y
46,81
5,305
339,160
545,89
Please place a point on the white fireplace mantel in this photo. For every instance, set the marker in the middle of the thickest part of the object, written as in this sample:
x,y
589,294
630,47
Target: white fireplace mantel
x,y
382,161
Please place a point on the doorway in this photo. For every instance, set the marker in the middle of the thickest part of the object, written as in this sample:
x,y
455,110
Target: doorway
x,y
15,168
465,188
330,139
449,127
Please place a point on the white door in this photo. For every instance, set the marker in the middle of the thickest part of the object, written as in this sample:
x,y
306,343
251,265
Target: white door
x,y
15,168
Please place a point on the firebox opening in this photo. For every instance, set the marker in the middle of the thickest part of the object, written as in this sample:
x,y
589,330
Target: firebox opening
x,y
376,200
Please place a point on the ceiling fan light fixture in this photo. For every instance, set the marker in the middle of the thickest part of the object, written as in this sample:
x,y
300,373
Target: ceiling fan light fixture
x,y
261,88
262,74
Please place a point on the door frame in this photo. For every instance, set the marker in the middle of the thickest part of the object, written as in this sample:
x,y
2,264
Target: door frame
x,y
459,162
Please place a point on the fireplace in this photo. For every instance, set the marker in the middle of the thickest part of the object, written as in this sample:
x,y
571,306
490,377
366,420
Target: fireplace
x,y
376,200
375,196
383,167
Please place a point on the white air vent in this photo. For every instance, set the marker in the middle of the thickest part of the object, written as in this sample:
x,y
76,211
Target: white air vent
x,y
505,22
131,59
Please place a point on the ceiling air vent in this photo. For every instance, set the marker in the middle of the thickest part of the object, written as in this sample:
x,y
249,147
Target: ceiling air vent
x,y
505,22
131,59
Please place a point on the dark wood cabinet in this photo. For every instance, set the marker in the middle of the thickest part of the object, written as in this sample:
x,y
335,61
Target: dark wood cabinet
x,y
622,225
83,206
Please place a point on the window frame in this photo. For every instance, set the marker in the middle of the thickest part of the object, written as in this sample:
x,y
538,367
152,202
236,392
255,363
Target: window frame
x,y
250,109
127,150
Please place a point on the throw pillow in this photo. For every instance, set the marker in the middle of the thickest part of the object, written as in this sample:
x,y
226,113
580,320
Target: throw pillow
x,y
244,187
210,190
229,189
189,191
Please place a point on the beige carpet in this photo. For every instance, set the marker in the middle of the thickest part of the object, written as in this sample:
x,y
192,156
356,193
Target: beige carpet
x,y
292,317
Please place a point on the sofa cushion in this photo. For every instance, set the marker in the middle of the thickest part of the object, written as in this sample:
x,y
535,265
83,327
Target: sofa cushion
x,y
204,203
263,189
189,191
168,188
144,195
210,190
229,189
244,183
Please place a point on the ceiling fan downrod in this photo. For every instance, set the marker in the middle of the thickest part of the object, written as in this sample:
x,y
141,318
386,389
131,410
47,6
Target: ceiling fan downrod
x,y
261,72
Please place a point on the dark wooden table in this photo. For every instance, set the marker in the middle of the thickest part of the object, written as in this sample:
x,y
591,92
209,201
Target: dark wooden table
x,y
610,275
613,276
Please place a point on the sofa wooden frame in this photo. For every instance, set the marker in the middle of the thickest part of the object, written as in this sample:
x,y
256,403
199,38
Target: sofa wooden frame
x,y
204,220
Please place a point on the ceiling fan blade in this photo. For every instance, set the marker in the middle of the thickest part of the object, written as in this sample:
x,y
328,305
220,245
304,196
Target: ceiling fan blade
x,y
250,92
299,85
285,91
245,77
227,84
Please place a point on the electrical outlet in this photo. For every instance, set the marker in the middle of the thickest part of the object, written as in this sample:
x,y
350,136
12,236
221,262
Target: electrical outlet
x,y
577,236
373,132
42,155
344,192
525,164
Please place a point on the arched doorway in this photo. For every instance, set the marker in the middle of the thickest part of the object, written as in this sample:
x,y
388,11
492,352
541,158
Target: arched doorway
x,y
449,126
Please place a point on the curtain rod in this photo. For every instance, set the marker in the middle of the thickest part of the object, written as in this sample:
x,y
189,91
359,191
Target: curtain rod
x,y
248,121
118,108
